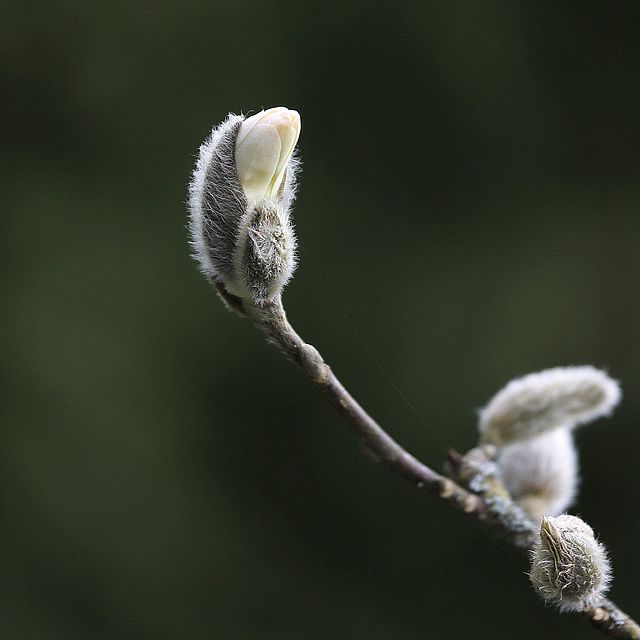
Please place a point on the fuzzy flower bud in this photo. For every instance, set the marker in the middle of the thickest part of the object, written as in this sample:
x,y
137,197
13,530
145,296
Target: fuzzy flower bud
x,y
569,567
541,402
541,473
239,200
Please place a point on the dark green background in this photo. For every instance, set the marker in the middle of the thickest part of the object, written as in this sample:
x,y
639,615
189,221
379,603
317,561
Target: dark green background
x,y
470,197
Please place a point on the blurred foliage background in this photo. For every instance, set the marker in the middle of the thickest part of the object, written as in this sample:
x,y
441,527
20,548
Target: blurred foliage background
x,y
470,198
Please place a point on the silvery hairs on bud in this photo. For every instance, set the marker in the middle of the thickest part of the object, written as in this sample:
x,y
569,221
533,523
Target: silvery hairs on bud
x,y
569,566
246,249
547,400
541,473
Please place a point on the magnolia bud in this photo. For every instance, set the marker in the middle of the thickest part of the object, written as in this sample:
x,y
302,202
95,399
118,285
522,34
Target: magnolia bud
x,y
239,199
569,567
541,473
539,402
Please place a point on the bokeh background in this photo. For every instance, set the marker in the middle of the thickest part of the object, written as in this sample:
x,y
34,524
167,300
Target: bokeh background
x,y
470,200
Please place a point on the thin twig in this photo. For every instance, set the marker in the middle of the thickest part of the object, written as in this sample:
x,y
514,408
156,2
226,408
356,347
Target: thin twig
x,y
477,492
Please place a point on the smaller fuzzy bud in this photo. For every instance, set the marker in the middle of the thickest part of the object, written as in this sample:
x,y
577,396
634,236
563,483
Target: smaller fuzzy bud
x,y
240,194
541,474
540,402
569,566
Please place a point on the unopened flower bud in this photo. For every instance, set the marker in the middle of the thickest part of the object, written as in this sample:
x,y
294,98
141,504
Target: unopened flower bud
x,y
540,402
541,473
240,194
569,566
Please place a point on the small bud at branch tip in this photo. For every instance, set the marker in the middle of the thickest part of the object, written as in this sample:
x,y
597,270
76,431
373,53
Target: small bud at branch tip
x,y
239,199
569,566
